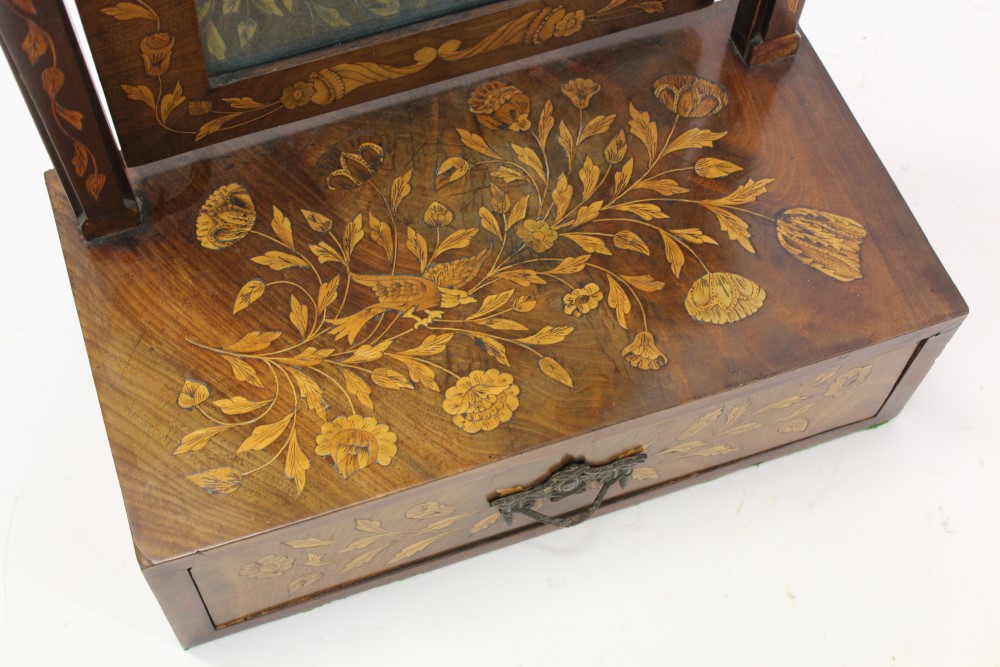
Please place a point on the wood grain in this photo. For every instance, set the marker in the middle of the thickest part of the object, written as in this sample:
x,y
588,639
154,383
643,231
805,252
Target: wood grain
x,y
191,290
814,258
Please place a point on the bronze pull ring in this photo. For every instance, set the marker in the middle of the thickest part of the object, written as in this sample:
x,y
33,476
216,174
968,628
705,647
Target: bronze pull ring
x,y
569,481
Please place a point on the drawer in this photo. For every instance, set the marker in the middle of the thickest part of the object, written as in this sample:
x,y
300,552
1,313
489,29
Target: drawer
x,y
350,547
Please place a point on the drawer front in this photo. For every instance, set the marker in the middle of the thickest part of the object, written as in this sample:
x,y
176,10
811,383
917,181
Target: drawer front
x,y
349,547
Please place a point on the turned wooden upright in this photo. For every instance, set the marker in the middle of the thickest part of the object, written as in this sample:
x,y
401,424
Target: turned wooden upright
x,y
38,40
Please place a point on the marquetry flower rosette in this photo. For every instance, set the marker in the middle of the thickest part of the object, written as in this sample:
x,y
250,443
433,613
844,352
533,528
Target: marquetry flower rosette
x,y
268,567
569,190
38,46
167,100
356,442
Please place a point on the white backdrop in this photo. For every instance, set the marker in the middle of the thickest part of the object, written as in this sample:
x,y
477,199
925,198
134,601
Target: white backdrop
x,y
882,548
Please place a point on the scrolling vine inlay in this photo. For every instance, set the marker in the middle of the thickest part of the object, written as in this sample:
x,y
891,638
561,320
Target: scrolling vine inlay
x,y
37,46
722,432
570,188
240,33
167,101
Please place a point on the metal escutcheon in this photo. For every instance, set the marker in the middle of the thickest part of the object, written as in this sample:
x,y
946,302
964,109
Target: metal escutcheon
x,y
569,481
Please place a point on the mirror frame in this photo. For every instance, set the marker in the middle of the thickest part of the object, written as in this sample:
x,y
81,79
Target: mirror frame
x,y
150,60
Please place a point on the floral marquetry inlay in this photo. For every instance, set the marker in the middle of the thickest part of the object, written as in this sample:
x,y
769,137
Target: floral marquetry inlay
x,y
573,181
240,33
718,431
40,51
403,534
174,112
416,532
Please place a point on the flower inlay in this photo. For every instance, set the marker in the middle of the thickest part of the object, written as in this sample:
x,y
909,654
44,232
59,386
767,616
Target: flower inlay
x,y
569,189
499,108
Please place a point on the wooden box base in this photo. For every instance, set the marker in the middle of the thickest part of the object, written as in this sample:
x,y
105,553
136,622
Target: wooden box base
x,y
323,554
397,438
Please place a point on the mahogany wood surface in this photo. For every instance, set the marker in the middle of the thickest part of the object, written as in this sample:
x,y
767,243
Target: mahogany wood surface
x,y
833,538
42,50
769,239
184,599
158,291
151,63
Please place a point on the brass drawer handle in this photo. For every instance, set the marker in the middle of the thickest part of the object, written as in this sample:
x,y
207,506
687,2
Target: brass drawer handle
x,y
569,481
